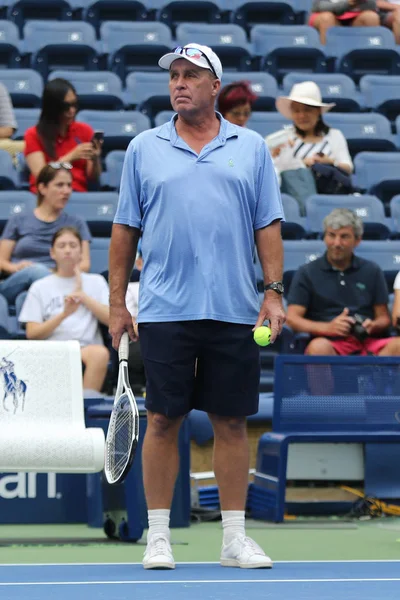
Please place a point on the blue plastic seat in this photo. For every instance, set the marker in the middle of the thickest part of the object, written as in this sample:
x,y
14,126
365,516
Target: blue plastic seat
x,y
96,208
395,214
250,14
379,174
381,94
335,87
25,87
97,90
229,41
266,123
99,249
114,162
288,48
135,46
26,118
10,57
8,173
113,10
363,50
186,11
368,208
27,10
384,253
148,92
15,202
293,226
163,117
397,136
263,85
363,132
119,126
69,45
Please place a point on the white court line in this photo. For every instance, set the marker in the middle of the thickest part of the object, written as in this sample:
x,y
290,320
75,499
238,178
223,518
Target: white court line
x,y
121,564
191,581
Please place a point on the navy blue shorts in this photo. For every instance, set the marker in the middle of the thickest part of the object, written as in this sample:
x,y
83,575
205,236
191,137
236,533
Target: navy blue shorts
x,y
208,365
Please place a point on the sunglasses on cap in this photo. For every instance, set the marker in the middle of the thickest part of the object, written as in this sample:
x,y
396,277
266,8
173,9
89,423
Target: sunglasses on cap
x,y
60,165
195,53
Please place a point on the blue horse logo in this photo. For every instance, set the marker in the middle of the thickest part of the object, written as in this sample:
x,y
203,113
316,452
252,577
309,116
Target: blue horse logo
x,y
14,387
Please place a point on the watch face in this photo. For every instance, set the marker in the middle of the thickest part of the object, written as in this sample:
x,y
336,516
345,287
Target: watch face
x,y
277,286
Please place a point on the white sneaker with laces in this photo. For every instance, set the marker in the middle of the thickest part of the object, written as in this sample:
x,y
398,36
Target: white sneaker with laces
x,y
158,553
243,552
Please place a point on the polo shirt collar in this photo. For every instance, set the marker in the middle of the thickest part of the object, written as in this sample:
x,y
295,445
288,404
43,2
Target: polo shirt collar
x,y
226,130
354,265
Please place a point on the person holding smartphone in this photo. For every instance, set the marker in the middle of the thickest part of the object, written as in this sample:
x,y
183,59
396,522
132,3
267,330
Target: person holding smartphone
x,y
59,137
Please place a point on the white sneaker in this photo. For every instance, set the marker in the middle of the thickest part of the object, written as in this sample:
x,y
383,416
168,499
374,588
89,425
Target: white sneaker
x,y
243,552
158,553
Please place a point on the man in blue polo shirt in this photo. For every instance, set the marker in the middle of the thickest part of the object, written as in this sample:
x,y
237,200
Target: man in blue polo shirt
x,y
329,295
200,191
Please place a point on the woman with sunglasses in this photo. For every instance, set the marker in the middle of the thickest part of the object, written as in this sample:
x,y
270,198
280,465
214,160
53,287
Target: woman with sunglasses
x,y
235,102
58,137
26,240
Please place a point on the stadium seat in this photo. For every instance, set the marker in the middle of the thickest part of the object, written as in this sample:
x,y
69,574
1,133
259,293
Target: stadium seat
x,y
163,117
26,117
63,45
9,46
368,208
99,249
395,214
113,10
335,87
135,46
119,126
5,321
293,226
397,136
367,132
267,122
300,252
27,10
228,41
114,162
97,208
13,203
379,174
25,87
148,92
363,50
288,48
384,253
8,174
97,90
262,84
249,14
381,94
186,11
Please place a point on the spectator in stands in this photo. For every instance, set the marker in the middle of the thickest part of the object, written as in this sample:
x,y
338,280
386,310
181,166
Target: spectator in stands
x,y
396,304
336,13
26,240
58,137
69,304
8,125
310,140
341,299
137,375
235,102
389,13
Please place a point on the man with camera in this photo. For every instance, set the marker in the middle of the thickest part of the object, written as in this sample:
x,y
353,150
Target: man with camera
x,y
341,299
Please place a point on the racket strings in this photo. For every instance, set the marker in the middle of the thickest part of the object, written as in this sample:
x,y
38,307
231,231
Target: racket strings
x,y
123,429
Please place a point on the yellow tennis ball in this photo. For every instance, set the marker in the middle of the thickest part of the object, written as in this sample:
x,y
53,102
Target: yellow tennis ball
x,y
262,336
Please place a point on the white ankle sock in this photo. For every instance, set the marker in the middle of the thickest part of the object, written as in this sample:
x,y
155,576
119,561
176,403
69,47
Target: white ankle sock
x,y
158,522
232,524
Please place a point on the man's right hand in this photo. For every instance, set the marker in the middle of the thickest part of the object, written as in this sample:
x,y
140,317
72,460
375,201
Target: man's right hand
x,y
340,325
120,321
22,264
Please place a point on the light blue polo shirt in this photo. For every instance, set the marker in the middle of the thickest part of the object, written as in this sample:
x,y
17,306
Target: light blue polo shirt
x,y
198,214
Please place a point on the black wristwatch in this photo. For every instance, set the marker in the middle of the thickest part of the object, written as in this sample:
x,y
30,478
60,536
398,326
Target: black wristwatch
x,y
276,286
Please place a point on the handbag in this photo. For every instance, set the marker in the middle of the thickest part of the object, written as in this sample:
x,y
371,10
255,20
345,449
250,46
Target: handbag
x,y
300,184
331,180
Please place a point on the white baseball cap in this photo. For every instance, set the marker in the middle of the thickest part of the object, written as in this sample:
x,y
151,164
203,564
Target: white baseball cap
x,y
306,92
199,55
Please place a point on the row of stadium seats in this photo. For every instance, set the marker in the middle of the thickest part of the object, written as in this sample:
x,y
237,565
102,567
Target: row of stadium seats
x,y
148,92
126,46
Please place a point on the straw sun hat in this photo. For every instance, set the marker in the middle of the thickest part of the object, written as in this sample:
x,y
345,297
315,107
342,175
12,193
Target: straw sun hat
x,y
306,92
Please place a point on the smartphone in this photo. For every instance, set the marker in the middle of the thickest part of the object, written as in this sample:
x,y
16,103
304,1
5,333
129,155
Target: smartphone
x,y
277,138
98,136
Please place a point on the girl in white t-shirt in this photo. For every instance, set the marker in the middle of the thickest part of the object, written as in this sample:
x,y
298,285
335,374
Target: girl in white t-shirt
x,y
68,305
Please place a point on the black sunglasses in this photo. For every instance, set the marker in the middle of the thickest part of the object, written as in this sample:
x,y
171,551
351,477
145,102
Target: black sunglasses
x,y
67,105
195,53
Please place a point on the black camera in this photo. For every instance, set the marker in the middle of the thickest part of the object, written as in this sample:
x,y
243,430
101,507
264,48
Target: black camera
x,y
357,329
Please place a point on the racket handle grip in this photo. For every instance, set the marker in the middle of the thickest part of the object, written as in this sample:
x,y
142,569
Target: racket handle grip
x,y
123,350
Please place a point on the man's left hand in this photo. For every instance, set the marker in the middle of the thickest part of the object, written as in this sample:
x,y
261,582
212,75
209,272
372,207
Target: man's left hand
x,y
272,310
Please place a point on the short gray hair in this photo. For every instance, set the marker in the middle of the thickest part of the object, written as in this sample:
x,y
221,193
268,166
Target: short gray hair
x,y
344,217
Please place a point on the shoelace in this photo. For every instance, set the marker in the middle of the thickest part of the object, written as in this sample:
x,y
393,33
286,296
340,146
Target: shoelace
x,y
252,545
160,545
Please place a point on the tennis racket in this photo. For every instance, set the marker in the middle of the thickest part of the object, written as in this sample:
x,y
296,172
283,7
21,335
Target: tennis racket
x,y
123,429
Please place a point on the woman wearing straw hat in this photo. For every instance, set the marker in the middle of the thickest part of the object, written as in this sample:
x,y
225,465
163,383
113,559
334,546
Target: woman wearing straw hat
x,y
311,140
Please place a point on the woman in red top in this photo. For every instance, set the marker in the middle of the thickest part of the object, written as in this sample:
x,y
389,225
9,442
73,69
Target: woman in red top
x,y
58,137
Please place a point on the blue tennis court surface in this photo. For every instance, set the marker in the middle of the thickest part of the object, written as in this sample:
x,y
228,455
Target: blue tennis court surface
x,y
352,580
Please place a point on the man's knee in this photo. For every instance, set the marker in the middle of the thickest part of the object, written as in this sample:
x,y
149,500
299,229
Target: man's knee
x,y
229,428
161,426
320,347
392,348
